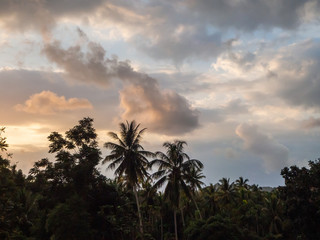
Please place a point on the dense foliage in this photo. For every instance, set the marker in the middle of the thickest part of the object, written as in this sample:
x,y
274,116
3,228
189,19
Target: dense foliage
x,y
68,198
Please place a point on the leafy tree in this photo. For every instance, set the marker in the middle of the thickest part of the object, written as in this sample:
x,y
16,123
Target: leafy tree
x,y
301,197
69,220
214,228
73,177
16,203
129,158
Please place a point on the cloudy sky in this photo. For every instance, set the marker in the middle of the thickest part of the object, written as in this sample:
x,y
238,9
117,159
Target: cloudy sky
x,y
239,80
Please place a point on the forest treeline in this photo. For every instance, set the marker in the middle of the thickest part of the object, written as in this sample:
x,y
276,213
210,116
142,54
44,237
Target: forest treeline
x,y
70,199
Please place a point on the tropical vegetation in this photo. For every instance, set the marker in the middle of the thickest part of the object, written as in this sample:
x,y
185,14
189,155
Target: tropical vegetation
x,y
157,195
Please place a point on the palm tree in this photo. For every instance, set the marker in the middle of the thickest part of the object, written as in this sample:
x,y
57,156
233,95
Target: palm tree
x,y
242,183
193,179
226,190
3,144
174,167
209,200
273,210
129,158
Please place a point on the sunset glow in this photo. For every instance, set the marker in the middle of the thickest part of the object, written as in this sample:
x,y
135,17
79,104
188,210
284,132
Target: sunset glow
x,y
239,82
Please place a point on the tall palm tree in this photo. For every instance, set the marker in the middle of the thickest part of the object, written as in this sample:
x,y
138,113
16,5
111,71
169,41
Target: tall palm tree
x,y
174,167
129,158
209,197
273,210
193,179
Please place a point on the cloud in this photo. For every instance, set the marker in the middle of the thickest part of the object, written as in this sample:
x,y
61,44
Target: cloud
x,y
297,75
187,42
311,123
249,15
142,98
275,155
244,14
42,15
232,108
80,66
235,62
166,30
165,112
23,15
48,103
277,75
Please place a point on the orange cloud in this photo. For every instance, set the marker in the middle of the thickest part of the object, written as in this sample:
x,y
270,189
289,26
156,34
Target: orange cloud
x,y
164,111
48,103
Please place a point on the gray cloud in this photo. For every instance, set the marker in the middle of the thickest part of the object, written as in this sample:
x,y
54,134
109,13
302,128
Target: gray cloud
x,y
80,66
42,15
244,14
274,154
174,30
187,43
249,15
22,15
297,79
311,123
142,98
222,113
289,74
164,111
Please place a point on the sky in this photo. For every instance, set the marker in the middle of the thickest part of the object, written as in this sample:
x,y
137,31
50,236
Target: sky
x,y
238,80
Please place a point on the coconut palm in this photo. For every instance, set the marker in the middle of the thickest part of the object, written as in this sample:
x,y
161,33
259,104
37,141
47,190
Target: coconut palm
x,y
226,191
242,183
3,144
129,158
174,167
273,210
193,179
209,200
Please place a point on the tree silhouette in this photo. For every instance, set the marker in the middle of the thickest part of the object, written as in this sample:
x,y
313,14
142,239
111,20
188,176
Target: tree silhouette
x,y
3,143
174,168
129,158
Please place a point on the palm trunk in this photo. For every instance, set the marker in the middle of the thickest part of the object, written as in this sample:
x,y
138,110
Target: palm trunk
x,y
195,203
175,223
139,213
161,228
182,216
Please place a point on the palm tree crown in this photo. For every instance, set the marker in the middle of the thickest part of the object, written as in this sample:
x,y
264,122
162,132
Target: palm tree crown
x,y
127,155
130,157
174,167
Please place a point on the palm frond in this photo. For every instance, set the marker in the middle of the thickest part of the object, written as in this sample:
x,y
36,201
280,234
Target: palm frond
x,y
158,174
160,182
